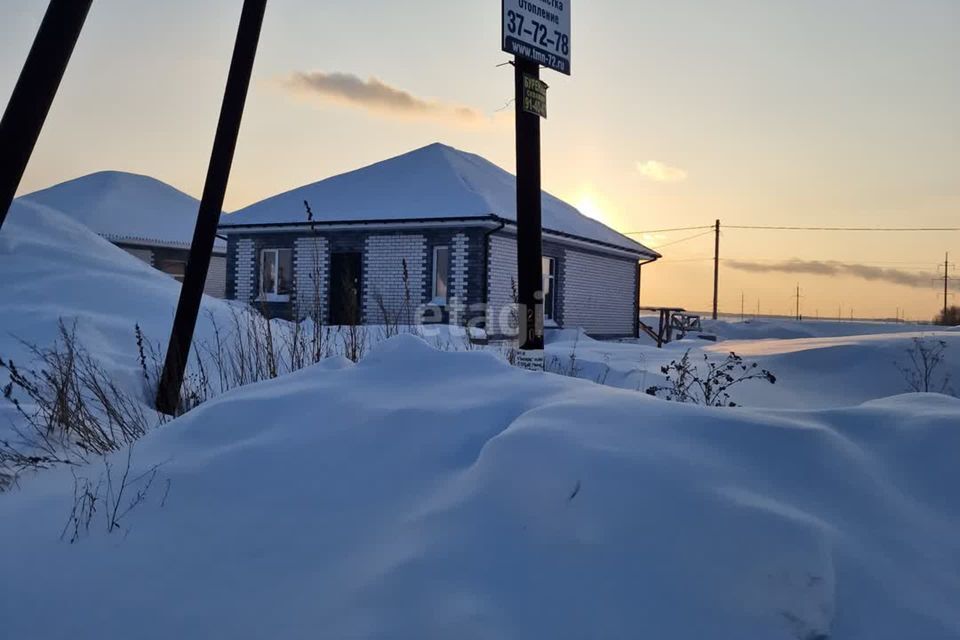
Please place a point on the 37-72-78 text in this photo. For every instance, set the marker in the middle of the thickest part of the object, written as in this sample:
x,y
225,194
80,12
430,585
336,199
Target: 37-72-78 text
x,y
517,24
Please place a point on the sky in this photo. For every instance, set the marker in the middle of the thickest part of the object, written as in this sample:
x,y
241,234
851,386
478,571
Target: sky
x,y
760,112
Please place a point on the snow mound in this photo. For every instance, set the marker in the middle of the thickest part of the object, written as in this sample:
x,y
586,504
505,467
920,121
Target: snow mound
x,y
436,181
781,329
124,206
56,268
422,494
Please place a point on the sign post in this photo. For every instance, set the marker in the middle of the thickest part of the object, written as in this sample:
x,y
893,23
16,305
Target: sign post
x,y
536,32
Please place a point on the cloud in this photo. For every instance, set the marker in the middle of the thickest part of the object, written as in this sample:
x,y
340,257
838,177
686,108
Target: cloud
x,y
831,268
660,172
377,96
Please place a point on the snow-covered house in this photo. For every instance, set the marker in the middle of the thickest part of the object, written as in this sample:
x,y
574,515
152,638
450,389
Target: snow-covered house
x,y
433,227
143,216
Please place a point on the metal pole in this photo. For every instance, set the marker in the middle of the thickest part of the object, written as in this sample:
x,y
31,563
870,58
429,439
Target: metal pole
x,y
946,280
529,236
35,90
716,269
211,204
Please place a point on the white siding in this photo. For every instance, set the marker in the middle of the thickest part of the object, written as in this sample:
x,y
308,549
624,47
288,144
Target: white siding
x,y
216,284
598,293
501,281
244,270
383,276
311,264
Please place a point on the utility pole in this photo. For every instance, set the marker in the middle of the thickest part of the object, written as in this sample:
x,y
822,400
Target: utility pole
x,y
758,308
716,268
211,204
946,284
532,47
741,306
529,230
798,301
35,90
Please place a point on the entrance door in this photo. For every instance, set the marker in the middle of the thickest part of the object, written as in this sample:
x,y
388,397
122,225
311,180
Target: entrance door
x,y
345,273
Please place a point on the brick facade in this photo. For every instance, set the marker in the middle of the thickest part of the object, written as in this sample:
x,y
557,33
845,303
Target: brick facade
x,y
595,290
311,268
387,290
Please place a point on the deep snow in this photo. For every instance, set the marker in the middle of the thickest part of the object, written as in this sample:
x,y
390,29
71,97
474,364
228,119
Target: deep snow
x,y
849,364
423,494
54,267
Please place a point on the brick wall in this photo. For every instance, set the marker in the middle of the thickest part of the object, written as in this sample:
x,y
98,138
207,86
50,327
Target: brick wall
x,y
459,277
383,276
599,293
501,281
244,266
311,266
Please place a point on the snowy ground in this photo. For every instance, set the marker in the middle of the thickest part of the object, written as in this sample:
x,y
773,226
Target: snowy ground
x,y
433,495
441,494
844,365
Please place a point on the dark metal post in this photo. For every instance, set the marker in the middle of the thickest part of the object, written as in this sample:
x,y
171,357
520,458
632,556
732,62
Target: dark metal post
x,y
35,90
211,204
946,287
716,269
529,232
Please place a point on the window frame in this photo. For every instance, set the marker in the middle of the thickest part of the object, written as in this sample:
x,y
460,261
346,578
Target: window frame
x,y
274,295
550,277
435,298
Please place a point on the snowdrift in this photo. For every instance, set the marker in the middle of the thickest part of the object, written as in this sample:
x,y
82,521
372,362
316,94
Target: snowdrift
x,y
54,267
422,494
781,329
842,370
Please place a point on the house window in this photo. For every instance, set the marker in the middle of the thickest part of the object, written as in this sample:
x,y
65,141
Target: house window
x,y
441,274
549,289
276,274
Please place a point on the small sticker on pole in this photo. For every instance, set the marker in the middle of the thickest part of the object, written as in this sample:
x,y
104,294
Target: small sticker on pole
x,y
538,30
535,96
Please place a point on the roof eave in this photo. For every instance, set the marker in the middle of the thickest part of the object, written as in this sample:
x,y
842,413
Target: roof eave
x,y
486,220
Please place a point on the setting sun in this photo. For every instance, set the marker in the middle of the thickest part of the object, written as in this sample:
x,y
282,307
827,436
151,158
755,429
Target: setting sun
x,y
588,206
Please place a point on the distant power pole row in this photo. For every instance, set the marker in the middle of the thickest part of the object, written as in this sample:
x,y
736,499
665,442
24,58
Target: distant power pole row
x,y
946,285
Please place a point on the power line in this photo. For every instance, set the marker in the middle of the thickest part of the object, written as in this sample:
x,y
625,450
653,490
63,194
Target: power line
x,y
788,228
640,233
885,229
699,235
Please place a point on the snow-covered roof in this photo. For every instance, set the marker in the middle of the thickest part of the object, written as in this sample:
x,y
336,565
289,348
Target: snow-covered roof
x,y
126,208
433,182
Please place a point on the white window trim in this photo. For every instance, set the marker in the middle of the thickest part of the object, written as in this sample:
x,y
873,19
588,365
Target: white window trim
x,y
437,300
271,296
